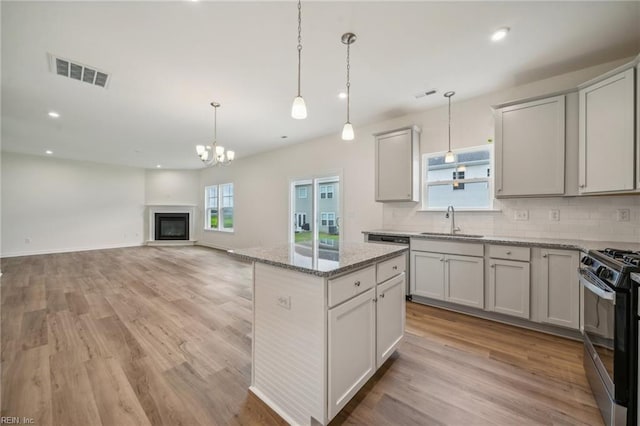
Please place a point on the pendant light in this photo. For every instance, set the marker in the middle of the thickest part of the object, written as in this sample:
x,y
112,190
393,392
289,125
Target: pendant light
x,y
214,155
449,157
299,109
347,130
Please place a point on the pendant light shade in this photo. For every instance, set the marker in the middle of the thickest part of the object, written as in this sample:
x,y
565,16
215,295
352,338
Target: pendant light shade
x,y
299,108
347,129
449,157
347,132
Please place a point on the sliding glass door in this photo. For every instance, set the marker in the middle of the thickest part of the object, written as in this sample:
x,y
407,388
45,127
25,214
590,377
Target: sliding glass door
x,y
315,213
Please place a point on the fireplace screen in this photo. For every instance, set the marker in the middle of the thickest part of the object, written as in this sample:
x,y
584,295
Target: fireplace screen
x,y
172,226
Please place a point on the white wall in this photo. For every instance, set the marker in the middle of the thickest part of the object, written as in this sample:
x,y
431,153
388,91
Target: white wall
x,y
262,181
52,205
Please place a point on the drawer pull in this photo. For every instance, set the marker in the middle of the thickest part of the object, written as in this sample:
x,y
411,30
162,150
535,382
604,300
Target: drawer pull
x,y
442,260
357,283
508,252
382,295
493,265
395,268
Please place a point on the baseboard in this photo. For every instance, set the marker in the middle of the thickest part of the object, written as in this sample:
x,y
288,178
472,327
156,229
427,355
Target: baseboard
x,y
170,243
213,246
67,250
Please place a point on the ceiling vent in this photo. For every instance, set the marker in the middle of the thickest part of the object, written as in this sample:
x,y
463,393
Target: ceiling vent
x,y
425,93
77,71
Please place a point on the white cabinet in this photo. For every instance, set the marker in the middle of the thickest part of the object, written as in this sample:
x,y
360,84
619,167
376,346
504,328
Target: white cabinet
x,y
509,287
456,279
530,148
606,132
427,274
390,317
463,280
559,288
352,348
398,165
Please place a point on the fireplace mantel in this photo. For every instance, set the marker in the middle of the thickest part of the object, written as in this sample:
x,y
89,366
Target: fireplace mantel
x,y
152,209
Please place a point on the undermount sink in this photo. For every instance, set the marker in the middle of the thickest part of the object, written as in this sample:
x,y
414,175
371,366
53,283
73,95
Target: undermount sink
x,y
452,235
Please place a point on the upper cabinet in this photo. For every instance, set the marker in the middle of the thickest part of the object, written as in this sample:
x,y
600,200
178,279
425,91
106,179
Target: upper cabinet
x,y
398,165
607,123
530,148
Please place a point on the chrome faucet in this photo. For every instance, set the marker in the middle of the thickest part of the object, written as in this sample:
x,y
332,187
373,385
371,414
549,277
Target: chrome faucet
x,y
454,228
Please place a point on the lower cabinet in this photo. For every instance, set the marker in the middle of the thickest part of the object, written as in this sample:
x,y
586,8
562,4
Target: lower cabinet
x,y
363,332
352,348
390,317
457,279
559,288
509,287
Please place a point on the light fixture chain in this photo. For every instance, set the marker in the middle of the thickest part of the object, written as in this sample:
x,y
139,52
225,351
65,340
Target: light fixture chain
x,y
299,42
348,82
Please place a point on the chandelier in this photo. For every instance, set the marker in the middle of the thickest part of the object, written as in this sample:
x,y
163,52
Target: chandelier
x,y
215,155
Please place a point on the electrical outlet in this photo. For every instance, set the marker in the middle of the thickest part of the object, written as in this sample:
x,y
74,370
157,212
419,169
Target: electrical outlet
x,y
284,302
522,215
554,215
623,215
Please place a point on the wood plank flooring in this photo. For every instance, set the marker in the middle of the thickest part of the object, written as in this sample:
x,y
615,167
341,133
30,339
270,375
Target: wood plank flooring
x,y
162,336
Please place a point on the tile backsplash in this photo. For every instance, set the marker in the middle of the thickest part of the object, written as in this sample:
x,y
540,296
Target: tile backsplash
x,y
600,218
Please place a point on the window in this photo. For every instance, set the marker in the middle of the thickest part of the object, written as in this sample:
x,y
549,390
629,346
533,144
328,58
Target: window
x,y
219,207
302,192
327,219
466,183
326,191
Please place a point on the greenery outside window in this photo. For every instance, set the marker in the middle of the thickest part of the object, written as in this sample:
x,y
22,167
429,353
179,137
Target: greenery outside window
x,y
466,183
219,207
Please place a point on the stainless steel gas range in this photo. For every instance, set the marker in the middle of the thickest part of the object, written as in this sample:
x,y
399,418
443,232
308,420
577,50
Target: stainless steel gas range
x,y
611,331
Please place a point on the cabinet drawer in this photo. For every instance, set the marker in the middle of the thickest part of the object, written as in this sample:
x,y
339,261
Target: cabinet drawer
x,y
450,247
510,253
391,268
347,286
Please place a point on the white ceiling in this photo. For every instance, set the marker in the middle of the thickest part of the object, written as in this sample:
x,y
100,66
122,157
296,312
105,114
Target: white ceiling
x,y
169,60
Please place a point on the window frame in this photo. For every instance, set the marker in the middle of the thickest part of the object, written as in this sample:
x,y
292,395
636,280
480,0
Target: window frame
x,y
220,202
425,184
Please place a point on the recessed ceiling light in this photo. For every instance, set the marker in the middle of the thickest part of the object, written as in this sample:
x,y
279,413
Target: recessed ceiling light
x,y
48,152
53,114
342,95
158,166
284,137
499,34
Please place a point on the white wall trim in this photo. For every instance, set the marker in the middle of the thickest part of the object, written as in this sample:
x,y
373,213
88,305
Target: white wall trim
x,y
67,250
180,208
213,246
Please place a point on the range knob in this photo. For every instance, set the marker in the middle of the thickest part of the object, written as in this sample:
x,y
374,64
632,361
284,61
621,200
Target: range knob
x,y
586,260
605,273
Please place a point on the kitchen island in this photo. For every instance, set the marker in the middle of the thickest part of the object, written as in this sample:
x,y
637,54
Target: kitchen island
x,y
324,321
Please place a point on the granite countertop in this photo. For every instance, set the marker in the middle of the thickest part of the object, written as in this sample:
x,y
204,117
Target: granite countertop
x,y
322,262
576,244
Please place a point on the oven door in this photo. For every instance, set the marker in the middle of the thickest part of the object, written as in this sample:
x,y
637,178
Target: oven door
x,y
599,326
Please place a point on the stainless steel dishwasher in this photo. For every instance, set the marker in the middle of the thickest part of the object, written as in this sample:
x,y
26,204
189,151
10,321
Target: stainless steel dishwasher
x,y
398,240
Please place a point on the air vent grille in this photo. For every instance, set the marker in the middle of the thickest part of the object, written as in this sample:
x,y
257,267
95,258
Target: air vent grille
x,y
77,71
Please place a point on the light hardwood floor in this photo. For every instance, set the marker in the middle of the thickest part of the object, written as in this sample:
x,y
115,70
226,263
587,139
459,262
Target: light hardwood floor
x,y
161,336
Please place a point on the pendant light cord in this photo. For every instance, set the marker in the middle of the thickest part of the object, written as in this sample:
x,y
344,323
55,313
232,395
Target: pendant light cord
x,y
215,125
348,83
450,122
299,42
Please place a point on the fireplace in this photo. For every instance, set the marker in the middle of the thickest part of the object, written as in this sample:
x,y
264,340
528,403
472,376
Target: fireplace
x,y
172,226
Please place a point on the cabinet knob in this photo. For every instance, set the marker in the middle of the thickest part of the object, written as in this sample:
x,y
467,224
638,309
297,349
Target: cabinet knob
x,y
395,268
544,255
357,283
508,252
382,295
582,185
493,265
499,189
442,260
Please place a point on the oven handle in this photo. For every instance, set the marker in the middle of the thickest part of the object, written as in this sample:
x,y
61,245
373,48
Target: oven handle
x,y
608,295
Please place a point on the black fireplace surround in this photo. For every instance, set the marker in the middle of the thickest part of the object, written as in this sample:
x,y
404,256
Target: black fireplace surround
x,y
172,226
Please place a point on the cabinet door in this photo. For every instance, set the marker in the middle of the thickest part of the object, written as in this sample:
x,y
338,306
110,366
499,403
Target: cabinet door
x,y
560,288
394,166
606,135
390,307
530,148
352,348
427,274
464,280
509,286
